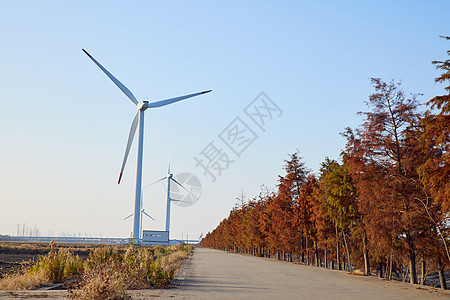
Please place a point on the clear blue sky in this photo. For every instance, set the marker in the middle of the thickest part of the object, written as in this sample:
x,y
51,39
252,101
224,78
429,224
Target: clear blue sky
x,y
64,125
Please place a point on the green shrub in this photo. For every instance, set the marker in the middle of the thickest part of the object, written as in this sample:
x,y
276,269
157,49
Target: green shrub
x,y
58,266
158,276
185,248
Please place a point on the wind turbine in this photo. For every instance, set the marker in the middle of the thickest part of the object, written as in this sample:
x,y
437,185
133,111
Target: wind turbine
x,y
169,178
138,120
142,212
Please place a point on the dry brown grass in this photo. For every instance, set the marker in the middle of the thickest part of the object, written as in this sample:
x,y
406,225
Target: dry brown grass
x,y
54,267
106,274
104,281
24,281
14,255
109,273
174,261
358,272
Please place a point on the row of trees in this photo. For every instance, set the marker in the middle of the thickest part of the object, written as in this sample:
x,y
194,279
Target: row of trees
x,y
383,208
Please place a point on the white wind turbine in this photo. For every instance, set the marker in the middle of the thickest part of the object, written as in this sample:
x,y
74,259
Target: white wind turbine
x,y
143,212
138,120
169,178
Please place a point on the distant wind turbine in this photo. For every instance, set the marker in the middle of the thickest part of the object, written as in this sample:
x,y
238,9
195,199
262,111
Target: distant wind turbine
x,y
138,120
169,178
142,211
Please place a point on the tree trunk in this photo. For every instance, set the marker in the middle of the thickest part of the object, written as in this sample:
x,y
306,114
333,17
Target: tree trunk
x,y
316,252
366,256
441,274
306,249
325,258
412,263
343,263
423,271
302,256
390,267
303,248
380,267
349,261
338,261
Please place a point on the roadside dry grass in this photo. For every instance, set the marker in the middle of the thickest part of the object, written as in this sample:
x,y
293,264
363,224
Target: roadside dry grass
x,y
21,281
107,272
15,256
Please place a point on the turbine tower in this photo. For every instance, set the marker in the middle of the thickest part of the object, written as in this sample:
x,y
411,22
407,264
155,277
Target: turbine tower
x,y
169,200
138,120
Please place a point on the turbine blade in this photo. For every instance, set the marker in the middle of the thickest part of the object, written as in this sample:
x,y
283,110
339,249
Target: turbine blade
x,y
170,156
148,215
164,178
173,100
130,141
127,217
184,188
175,200
123,88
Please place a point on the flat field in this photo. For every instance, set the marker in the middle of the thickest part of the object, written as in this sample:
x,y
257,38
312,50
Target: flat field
x,y
13,255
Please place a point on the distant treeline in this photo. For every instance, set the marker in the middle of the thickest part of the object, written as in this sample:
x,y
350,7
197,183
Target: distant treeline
x,y
383,208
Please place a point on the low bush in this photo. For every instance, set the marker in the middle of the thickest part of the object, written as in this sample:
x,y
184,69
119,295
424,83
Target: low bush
x,y
58,266
100,281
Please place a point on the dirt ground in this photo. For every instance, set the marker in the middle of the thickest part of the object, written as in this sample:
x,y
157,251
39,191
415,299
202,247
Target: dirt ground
x,y
212,274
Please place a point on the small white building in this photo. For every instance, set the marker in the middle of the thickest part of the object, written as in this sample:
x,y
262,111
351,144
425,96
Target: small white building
x,y
153,238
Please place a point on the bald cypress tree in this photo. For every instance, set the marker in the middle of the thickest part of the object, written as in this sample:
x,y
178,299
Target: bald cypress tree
x,y
377,156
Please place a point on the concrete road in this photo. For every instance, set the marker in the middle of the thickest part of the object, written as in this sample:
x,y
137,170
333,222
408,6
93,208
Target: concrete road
x,y
214,274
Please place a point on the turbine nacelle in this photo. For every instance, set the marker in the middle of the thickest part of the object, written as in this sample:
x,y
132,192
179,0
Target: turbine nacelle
x,y
142,105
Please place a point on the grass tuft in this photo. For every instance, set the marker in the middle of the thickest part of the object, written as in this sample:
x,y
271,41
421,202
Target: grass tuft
x,y
57,267
21,281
